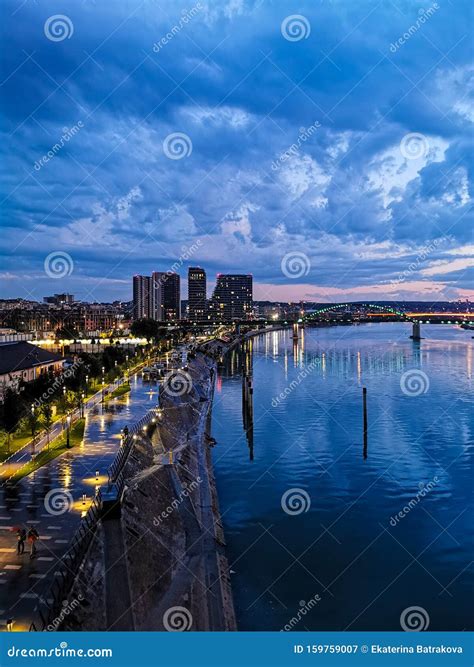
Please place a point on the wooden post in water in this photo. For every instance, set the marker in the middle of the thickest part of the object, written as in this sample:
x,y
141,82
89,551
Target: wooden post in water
x,y
364,402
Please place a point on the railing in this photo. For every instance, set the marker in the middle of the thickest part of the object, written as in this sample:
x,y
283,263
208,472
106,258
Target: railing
x,y
50,608
126,447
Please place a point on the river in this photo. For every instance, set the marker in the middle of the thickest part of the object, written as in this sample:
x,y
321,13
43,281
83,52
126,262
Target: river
x,y
320,531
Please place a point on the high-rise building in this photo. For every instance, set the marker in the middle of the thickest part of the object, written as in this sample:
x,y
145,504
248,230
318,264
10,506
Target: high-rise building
x,y
196,293
156,296
171,296
141,297
232,297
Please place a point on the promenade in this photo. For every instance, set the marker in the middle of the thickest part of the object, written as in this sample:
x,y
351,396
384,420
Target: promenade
x,y
51,500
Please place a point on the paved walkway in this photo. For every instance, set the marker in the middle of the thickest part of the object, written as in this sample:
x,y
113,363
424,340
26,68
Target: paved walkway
x,y
51,500
24,455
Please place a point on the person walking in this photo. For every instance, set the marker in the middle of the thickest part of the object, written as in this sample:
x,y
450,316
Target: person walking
x,y
33,536
21,537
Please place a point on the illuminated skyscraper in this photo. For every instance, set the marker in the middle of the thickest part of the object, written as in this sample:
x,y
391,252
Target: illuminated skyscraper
x,y
171,296
232,298
196,293
141,297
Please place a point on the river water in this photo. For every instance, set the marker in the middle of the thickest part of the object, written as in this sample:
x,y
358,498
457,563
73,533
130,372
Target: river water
x,y
320,531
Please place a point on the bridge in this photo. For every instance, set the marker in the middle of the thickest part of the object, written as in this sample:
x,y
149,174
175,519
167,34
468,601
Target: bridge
x,y
370,311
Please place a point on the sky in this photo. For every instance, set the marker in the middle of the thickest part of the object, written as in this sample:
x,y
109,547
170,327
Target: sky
x,y
323,146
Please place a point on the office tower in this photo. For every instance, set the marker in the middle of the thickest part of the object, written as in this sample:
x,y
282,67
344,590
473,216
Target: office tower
x,y
141,297
156,296
171,296
196,293
232,298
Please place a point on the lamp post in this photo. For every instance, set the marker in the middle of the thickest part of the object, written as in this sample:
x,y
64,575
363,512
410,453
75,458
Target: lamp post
x,y
33,427
68,431
103,383
87,384
82,404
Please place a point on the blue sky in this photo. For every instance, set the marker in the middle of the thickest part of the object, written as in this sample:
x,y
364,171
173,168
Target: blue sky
x,y
325,147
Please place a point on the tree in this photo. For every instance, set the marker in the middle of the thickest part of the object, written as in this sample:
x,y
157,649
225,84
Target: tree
x,y
11,413
145,328
47,414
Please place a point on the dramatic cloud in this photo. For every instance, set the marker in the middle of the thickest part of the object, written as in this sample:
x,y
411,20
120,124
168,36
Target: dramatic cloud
x,y
153,125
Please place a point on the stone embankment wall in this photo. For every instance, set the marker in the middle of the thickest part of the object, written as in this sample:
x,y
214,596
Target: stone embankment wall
x,y
172,573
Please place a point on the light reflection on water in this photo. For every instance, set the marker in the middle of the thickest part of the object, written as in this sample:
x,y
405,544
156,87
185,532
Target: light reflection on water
x,y
302,428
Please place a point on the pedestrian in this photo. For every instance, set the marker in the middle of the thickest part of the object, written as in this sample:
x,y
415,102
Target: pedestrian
x,y
21,537
33,536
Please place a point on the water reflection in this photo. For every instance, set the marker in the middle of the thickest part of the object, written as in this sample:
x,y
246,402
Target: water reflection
x,y
302,427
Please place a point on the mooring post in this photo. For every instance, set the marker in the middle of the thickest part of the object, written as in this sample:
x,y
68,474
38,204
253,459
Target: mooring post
x,y
416,332
364,401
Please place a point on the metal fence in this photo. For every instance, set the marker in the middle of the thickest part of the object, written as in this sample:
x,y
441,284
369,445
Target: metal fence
x,y
127,444
49,609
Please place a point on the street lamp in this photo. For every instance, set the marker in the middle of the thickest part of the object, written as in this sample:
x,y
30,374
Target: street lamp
x,y
68,431
82,404
103,383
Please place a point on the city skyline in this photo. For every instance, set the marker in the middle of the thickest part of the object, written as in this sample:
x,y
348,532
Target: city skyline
x,y
331,164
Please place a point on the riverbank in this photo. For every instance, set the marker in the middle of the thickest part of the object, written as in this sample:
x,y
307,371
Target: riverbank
x,y
159,562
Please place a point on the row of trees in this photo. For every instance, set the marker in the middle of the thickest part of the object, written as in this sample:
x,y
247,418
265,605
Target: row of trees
x,y
34,406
